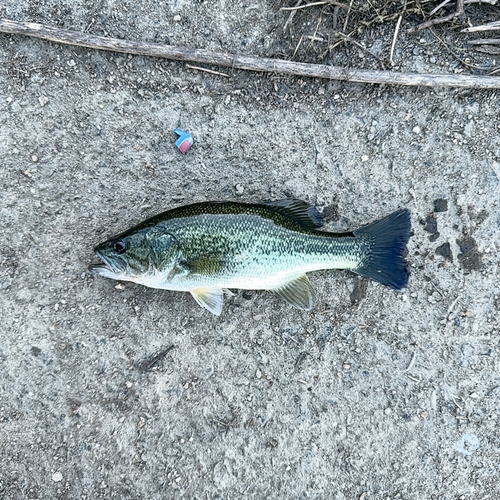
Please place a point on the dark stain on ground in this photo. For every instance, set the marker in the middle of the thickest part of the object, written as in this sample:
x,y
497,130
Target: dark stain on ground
x,y
359,291
470,258
479,217
445,251
430,226
331,212
440,205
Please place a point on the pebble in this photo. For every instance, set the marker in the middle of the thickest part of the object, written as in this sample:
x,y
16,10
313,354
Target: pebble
x,y
34,158
364,158
177,18
43,100
71,63
239,189
57,477
416,130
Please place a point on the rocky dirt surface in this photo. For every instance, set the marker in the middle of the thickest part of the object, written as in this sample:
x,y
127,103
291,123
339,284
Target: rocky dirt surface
x,y
372,395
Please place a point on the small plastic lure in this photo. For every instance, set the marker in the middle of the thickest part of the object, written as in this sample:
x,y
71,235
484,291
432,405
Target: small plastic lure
x,y
185,140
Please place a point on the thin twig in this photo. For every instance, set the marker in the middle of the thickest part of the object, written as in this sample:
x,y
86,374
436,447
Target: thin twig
x,y
488,49
440,6
411,363
440,40
395,37
314,38
246,63
458,12
292,14
347,16
298,45
212,72
314,4
495,25
148,365
484,41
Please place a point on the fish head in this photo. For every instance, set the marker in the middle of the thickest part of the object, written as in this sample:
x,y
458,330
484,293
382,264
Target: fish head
x,y
142,256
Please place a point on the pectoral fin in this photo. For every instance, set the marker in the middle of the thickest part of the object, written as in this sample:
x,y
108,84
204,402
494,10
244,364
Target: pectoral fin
x,y
299,293
209,298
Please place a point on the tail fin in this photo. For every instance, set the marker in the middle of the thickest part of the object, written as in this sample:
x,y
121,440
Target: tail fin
x,y
386,242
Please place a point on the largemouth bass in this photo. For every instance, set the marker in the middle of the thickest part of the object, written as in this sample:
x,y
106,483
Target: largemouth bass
x,y
209,248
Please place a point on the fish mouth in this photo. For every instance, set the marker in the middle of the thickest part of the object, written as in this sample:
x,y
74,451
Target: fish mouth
x,y
109,267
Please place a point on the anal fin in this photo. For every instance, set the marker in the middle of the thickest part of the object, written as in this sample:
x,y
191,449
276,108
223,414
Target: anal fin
x,y
298,293
209,298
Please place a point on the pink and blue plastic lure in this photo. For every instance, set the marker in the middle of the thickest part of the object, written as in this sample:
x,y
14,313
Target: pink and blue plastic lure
x,y
185,140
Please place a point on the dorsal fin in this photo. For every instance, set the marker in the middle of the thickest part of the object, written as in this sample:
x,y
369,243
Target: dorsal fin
x,y
304,214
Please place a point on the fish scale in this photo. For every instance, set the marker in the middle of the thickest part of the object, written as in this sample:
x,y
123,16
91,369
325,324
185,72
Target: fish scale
x,y
210,247
257,253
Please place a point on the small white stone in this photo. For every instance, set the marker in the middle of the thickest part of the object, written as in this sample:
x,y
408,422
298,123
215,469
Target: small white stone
x,y
239,188
43,100
364,158
387,411
71,63
416,130
57,477
34,158
177,18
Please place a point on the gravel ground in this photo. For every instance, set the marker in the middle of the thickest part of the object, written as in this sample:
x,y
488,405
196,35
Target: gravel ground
x,y
372,395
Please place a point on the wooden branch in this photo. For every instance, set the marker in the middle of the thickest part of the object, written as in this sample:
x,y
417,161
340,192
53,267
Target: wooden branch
x,y
243,62
432,22
484,41
495,25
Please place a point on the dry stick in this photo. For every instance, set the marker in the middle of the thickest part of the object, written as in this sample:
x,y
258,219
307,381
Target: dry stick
x,y
495,25
314,4
347,16
458,12
485,41
488,49
396,31
440,6
243,62
212,72
290,17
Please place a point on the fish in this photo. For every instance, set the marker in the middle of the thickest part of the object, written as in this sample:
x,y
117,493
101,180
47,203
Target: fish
x,y
209,248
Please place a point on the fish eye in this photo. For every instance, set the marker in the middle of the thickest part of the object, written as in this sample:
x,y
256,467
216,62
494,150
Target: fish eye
x,y
119,246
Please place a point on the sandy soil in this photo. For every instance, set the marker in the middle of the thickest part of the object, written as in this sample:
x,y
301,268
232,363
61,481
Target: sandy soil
x,y
372,395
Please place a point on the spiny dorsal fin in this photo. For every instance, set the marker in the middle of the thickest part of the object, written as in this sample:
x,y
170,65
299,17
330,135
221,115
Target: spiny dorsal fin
x,y
209,298
299,293
301,212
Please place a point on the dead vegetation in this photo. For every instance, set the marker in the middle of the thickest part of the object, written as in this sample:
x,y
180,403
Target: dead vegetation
x,y
319,28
